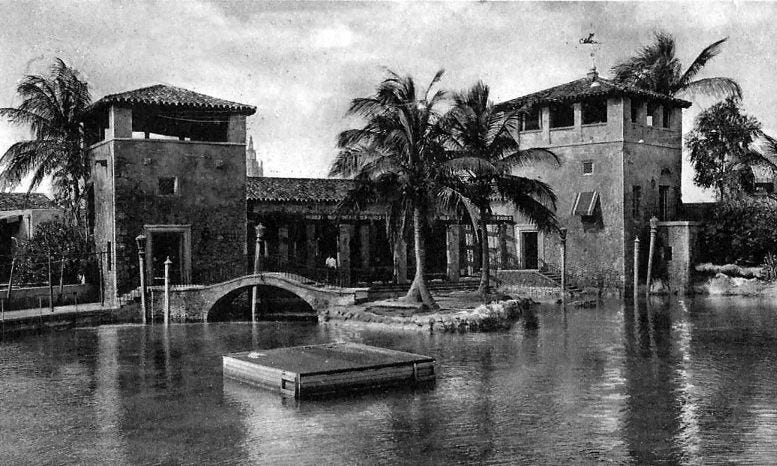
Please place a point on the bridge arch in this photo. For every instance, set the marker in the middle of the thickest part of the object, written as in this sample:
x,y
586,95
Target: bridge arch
x,y
275,303
317,297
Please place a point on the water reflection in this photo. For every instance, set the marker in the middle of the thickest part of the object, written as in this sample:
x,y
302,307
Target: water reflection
x,y
666,381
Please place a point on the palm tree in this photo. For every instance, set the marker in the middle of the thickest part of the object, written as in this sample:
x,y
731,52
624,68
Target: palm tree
x,y
393,159
482,153
655,67
51,107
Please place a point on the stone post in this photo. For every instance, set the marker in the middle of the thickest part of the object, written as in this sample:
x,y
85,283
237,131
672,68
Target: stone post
x,y
454,260
344,252
651,249
636,266
168,263
260,231
400,261
310,245
502,246
364,243
563,236
140,240
283,243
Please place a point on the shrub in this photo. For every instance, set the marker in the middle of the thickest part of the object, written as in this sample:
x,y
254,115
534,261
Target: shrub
x,y
740,231
69,251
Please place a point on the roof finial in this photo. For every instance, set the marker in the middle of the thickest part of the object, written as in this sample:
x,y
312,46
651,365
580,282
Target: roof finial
x,y
593,74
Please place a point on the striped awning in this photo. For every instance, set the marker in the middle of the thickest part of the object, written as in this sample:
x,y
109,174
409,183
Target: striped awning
x,y
585,203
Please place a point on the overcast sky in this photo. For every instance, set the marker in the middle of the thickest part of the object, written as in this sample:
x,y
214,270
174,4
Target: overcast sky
x,y
301,63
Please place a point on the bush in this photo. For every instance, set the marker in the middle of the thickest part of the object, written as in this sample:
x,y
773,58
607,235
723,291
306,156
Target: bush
x,y
740,231
69,251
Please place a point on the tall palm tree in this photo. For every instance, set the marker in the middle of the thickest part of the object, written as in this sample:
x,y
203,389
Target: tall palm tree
x,y
482,152
393,158
51,107
656,67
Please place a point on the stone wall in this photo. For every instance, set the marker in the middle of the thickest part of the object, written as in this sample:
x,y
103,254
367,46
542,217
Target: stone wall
x,y
210,198
102,176
681,238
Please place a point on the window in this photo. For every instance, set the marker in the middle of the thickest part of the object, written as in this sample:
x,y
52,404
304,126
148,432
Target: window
x,y
663,203
667,116
109,255
667,253
594,111
635,106
562,116
168,186
636,199
652,109
588,167
531,120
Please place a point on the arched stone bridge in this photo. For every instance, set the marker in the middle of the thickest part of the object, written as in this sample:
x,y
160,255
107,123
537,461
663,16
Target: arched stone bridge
x,y
194,302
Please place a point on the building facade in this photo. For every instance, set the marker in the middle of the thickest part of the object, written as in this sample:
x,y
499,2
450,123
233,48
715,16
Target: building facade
x,y
621,156
168,164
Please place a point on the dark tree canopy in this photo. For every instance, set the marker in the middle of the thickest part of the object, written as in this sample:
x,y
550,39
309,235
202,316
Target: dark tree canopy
x,y
722,149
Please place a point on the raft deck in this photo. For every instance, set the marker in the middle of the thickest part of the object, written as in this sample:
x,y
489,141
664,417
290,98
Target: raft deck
x,y
303,371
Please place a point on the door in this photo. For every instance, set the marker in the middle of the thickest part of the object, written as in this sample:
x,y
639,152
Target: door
x,y
164,245
530,250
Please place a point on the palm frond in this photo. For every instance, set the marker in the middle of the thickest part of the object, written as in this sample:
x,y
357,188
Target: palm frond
x,y
715,87
699,62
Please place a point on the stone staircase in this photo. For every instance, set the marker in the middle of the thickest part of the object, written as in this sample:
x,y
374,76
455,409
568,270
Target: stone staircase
x,y
132,296
556,278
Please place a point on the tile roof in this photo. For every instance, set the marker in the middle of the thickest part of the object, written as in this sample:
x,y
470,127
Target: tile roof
x,y
23,201
161,94
585,87
321,190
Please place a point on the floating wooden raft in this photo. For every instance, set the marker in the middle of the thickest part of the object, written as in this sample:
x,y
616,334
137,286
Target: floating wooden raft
x,y
303,371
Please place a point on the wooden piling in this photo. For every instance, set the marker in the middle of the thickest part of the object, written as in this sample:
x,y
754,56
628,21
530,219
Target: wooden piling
x,y
653,229
636,265
168,262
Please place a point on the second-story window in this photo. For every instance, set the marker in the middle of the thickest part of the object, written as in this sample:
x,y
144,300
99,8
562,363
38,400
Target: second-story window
x,y
667,116
168,186
594,111
562,116
652,114
531,119
635,106
588,167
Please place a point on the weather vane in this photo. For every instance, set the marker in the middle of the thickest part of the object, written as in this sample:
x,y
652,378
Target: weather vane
x,y
590,40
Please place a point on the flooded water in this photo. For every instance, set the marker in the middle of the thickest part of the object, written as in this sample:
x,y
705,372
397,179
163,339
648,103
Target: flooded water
x,y
691,382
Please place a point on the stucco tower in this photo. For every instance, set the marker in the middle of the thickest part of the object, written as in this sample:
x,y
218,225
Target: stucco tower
x,y
170,164
620,149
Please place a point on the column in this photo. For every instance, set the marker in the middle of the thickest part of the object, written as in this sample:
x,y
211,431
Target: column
x,y
310,244
502,247
236,129
283,242
119,123
400,261
364,243
344,252
454,261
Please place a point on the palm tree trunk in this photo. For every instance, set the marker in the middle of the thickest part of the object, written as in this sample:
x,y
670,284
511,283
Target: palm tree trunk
x,y
485,265
418,291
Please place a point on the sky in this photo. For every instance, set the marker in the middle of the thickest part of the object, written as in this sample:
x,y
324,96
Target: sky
x,y
300,63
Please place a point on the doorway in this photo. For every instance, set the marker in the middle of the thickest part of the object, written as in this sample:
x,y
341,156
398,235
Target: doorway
x,y
530,250
164,245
